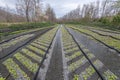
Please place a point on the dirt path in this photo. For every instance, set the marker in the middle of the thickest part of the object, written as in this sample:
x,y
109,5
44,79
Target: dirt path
x,y
55,70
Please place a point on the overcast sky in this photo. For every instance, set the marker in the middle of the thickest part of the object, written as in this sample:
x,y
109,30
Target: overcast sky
x,y
60,6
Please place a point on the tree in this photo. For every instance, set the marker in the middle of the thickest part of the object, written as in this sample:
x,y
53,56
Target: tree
x,y
24,7
37,10
50,14
117,6
116,20
104,7
8,15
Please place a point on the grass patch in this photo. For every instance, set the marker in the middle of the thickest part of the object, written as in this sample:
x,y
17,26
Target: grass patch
x,y
109,26
16,28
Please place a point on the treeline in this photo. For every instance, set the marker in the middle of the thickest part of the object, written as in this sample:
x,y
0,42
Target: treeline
x,y
22,26
105,13
7,15
28,11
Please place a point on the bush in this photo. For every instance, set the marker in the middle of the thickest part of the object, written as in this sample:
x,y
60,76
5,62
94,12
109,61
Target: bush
x,y
116,21
6,30
104,21
16,27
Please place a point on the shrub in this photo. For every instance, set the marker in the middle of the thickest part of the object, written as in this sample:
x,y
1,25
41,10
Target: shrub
x,y
104,20
116,21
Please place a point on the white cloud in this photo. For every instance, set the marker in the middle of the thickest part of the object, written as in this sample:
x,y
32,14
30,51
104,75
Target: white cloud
x,y
2,4
9,3
70,6
64,6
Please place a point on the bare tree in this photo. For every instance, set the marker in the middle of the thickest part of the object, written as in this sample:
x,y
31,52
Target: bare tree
x,y
116,5
37,12
50,14
104,7
8,15
24,7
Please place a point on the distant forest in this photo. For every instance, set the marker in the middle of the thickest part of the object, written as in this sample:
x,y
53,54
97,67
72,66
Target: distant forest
x,y
105,13
27,11
100,13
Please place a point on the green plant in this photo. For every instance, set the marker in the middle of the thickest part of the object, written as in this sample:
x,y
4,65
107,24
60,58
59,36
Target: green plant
x,y
72,49
15,70
36,49
1,78
12,29
116,20
88,72
77,64
104,20
76,77
16,40
106,39
76,54
32,55
90,55
27,62
39,46
98,64
110,76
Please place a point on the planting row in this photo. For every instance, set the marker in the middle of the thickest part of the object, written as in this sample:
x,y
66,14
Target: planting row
x,y
115,36
79,68
15,41
99,65
76,62
105,30
106,39
24,64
